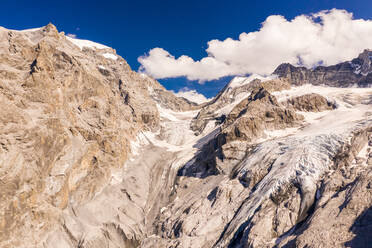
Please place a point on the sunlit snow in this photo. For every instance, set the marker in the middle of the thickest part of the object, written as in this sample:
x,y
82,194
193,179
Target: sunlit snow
x,y
86,43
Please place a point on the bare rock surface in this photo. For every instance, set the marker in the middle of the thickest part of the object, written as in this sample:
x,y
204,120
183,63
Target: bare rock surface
x,y
310,103
228,97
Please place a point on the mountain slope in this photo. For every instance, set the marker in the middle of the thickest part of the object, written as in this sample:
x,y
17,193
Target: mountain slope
x,y
69,113
255,185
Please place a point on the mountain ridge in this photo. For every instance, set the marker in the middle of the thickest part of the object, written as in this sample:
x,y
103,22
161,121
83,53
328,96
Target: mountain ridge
x,y
355,72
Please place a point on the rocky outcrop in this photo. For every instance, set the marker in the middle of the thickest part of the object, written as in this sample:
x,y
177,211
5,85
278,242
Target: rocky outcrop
x,y
259,112
221,105
310,103
356,72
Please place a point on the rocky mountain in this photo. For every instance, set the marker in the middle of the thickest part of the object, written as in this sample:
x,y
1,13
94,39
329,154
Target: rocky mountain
x,y
69,111
356,72
94,154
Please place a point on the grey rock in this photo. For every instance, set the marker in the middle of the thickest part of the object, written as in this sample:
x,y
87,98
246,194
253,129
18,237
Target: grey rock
x,y
356,72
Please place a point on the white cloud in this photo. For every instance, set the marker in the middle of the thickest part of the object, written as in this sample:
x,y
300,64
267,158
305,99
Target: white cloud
x,y
327,36
71,36
191,95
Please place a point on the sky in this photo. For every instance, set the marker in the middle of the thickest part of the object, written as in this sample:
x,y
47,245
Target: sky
x,y
216,39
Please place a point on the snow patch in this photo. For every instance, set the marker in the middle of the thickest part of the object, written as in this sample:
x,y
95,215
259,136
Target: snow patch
x,y
363,154
143,75
331,93
28,30
110,56
228,107
86,43
140,140
240,81
271,134
116,176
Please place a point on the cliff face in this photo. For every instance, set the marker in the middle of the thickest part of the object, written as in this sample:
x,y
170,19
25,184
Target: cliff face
x,y
346,74
95,155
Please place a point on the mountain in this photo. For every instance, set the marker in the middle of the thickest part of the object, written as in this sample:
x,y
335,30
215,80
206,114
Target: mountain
x,y
356,72
70,109
94,154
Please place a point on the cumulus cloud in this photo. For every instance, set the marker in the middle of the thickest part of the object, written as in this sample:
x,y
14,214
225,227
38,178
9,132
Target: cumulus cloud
x,y
71,36
192,95
326,37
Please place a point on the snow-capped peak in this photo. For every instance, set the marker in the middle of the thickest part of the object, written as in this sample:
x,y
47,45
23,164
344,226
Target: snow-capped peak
x,y
86,43
240,81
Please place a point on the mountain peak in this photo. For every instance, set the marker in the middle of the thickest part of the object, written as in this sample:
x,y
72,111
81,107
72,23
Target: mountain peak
x,y
50,28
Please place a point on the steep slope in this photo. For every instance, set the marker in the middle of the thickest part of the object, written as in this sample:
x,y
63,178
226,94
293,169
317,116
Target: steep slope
x,y
69,111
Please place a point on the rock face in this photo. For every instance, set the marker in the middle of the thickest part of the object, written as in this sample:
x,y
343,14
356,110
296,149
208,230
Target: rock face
x,y
67,118
95,155
310,102
233,92
356,72
255,114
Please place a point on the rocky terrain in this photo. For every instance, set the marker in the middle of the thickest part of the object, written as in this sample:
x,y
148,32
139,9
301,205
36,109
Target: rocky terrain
x,y
93,154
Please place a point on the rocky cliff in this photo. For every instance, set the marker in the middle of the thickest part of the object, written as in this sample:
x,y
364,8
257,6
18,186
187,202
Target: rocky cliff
x,y
94,155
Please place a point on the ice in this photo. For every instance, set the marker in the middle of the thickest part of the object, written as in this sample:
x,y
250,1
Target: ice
x,y
167,113
273,134
331,93
174,136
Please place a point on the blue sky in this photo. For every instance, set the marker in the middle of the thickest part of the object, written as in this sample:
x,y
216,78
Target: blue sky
x,y
179,27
